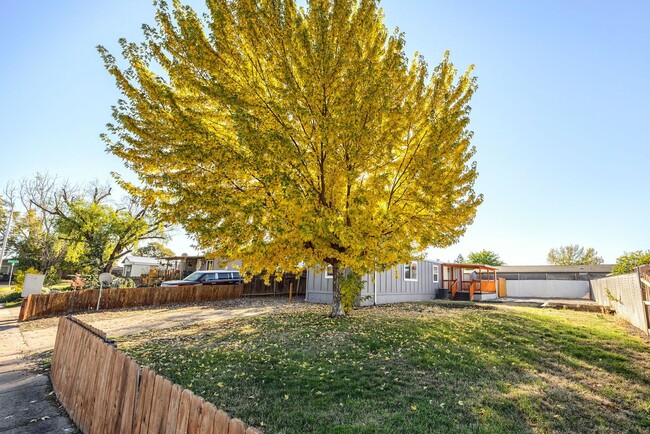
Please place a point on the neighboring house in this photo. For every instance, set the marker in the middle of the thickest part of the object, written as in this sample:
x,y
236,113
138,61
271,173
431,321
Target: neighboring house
x,y
217,263
178,267
551,281
136,266
416,281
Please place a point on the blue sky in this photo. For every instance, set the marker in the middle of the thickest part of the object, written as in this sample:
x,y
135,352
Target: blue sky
x,y
560,117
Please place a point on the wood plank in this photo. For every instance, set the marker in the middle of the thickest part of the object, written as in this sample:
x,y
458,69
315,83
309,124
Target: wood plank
x,y
101,355
102,389
183,417
160,405
207,418
40,307
78,377
86,381
237,427
142,402
63,360
86,384
172,411
61,330
59,303
124,420
21,313
221,422
32,306
116,384
72,365
196,410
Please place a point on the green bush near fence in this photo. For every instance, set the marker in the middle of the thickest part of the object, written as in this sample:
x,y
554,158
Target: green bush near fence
x,y
10,297
426,367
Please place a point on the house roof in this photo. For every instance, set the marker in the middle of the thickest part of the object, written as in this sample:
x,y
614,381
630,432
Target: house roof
x,y
470,266
602,268
142,260
176,258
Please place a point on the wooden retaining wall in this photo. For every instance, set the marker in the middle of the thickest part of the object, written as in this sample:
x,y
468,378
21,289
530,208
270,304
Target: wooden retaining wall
x,y
42,305
105,391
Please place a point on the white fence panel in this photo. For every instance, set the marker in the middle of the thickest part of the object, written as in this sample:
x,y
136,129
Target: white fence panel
x,y
549,289
622,294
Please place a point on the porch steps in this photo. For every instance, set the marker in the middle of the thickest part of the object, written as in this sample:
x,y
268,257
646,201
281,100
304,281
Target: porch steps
x,y
461,296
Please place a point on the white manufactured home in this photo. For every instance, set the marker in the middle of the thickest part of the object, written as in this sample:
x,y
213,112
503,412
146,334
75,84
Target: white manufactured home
x,y
416,281
138,266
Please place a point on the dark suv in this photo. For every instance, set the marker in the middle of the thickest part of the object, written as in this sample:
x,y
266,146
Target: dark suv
x,y
208,277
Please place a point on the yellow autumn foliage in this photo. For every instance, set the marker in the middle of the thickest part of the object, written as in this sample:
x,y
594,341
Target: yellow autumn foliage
x,y
294,137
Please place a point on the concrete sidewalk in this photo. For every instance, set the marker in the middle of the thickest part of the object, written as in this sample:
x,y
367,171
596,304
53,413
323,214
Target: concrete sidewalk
x,y
27,403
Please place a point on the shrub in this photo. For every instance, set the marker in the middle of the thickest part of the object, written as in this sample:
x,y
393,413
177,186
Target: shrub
x,y
20,276
8,298
123,282
52,277
91,280
351,287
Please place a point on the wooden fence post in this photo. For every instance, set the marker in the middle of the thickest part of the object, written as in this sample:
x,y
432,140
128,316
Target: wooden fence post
x,y
290,292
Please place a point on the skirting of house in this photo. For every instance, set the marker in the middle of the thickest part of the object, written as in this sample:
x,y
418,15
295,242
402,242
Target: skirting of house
x,y
367,299
485,296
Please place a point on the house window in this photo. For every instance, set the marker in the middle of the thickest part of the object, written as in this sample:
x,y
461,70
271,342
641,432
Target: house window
x,y
127,270
435,273
411,271
209,265
329,272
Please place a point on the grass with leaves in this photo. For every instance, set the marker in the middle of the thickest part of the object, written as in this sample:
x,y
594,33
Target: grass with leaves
x,y
9,296
425,367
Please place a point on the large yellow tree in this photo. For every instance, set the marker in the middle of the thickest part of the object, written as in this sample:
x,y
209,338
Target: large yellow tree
x,y
296,137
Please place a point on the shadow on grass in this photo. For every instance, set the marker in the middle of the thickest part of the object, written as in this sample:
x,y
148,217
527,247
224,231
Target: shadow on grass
x,y
418,368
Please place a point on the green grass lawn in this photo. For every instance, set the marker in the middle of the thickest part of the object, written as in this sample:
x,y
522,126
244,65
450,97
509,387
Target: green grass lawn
x,y
7,297
6,290
414,368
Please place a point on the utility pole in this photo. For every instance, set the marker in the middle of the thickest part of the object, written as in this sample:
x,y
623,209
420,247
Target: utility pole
x,y
6,236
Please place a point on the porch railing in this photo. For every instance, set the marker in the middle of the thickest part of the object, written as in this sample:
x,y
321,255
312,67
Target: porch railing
x,y
472,288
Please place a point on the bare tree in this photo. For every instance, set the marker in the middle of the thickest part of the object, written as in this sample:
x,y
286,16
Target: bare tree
x,y
87,218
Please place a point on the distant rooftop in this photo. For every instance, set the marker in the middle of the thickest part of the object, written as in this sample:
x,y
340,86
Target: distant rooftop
x,y
602,268
142,260
470,266
176,258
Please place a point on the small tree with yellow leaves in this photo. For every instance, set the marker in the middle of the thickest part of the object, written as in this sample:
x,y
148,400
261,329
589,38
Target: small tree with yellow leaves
x,y
293,137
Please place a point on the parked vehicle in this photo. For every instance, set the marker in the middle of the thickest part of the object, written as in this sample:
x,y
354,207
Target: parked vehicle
x,y
4,277
208,277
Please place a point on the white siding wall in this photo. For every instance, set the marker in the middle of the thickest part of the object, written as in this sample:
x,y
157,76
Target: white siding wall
x,y
140,270
391,286
548,288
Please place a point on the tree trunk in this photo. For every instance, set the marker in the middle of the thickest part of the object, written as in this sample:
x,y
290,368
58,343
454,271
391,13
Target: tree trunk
x,y
337,305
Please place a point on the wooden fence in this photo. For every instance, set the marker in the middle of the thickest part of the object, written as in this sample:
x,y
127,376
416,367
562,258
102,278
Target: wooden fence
x,y
105,391
626,294
257,287
42,305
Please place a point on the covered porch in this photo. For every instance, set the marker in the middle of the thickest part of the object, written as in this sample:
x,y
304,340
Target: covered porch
x,y
464,281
